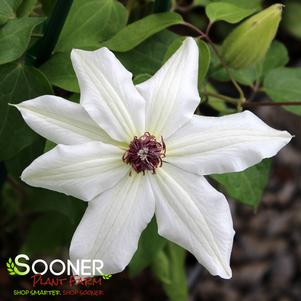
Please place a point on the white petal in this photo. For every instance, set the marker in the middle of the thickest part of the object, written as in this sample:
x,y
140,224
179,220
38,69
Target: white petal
x,y
108,93
191,213
171,94
83,170
61,121
208,145
113,222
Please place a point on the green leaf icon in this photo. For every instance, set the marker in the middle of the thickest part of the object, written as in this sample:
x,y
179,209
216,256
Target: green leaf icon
x,y
10,267
106,276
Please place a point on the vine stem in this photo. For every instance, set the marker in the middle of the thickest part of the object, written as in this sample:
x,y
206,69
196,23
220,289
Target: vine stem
x,y
225,98
208,28
37,35
240,102
195,29
246,104
271,103
205,36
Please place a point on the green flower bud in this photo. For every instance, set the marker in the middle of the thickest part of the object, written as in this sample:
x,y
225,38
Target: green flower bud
x,y
248,43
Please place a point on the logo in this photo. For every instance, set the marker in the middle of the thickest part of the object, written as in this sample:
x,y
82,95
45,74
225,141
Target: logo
x,y
84,267
11,268
21,265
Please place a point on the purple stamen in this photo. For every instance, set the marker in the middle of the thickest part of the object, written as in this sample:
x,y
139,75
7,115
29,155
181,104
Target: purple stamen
x,y
145,153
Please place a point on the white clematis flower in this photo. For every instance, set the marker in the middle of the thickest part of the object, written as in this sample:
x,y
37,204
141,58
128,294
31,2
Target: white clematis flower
x,y
133,152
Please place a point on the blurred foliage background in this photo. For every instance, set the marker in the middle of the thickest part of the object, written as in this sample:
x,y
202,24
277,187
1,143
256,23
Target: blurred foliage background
x,y
36,38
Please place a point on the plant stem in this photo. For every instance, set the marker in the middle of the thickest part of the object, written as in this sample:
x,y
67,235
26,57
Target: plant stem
x,y
37,35
200,33
271,103
161,6
208,28
225,98
42,50
242,98
240,102
246,104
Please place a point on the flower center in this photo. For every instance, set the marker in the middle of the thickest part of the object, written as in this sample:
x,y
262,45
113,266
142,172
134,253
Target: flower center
x,y
145,153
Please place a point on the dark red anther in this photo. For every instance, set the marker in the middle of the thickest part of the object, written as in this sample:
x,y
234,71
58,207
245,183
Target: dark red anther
x,y
145,153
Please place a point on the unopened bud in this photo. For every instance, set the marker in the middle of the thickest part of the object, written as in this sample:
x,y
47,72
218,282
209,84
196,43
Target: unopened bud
x,y
248,43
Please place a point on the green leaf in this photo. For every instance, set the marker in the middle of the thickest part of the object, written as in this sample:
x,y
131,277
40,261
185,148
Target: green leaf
x,y
26,7
161,267
149,56
10,206
146,58
169,268
291,18
49,145
135,33
90,22
247,186
60,73
204,61
18,163
42,200
48,233
223,11
172,48
8,10
15,37
255,4
140,78
277,56
75,97
283,84
216,103
201,2
17,83
150,244
245,76
47,6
